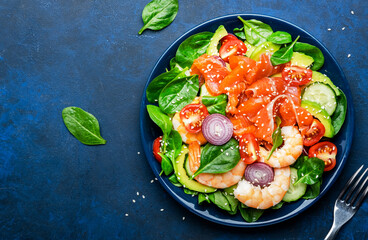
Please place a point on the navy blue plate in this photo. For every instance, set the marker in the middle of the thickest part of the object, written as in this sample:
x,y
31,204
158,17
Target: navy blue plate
x,y
149,131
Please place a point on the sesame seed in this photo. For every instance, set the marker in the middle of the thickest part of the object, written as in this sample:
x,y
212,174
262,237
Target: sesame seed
x,y
352,12
183,218
152,181
328,29
349,55
126,214
143,196
133,201
139,153
137,193
343,28
162,209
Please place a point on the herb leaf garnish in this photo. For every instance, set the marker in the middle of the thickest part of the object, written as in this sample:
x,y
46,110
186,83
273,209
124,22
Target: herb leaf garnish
x,y
276,137
283,55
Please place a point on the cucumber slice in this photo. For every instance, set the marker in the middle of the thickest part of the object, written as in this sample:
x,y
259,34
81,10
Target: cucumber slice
x,y
322,94
319,77
187,168
295,191
204,91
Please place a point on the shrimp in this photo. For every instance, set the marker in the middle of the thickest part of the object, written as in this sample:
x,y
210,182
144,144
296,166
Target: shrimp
x,y
186,136
266,197
219,180
288,153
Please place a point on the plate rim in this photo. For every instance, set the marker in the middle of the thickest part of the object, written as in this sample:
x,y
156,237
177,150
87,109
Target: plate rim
x,y
336,174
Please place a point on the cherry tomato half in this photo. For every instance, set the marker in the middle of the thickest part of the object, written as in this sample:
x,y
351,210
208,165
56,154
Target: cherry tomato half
x,y
157,149
231,46
297,75
325,151
192,116
313,133
248,148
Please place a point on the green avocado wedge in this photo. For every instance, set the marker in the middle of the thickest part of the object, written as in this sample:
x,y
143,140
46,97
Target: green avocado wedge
x,y
316,110
184,179
262,48
301,60
319,77
212,48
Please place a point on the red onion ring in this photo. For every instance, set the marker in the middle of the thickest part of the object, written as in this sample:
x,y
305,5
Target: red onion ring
x,y
259,174
217,129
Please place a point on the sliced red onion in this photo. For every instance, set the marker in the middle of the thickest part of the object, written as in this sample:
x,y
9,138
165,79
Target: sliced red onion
x,y
259,174
220,59
217,129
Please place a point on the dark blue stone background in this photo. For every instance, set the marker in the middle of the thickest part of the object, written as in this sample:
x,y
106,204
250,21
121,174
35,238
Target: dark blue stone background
x,y
87,53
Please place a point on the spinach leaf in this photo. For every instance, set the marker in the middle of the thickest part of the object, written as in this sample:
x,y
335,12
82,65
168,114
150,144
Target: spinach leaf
x,y
203,198
158,83
256,32
278,206
175,181
190,192
233,202
219,159
215,104
338,117
250,214
166,164
192,48
276,137
83,125
313,190
299,162
311,171
178,93
312,51
173,145
174,64
239,32
220,200
280,37
160,118
283,55
158,14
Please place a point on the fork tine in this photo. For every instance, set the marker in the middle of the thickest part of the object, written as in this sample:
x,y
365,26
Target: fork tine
x,y
351,190
349,182
361,198
360,189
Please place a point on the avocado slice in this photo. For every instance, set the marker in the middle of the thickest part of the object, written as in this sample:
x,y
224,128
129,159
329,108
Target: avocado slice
x,y
262,48
250,48
212,48
319,77
184,179
301,60
316,110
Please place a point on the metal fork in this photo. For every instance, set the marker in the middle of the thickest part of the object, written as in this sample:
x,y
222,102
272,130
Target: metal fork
x,y
345,208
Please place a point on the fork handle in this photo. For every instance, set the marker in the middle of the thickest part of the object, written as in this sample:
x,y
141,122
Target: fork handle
x,y
333,232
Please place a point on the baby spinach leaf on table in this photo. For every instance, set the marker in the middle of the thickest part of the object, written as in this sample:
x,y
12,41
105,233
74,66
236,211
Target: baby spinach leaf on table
x,y
338,117
276,137
178,93
158,14
280,37
256,32
173,179
160,118
239,32
83,125
192,48
313,190
203,198
158,83
312,51
219,159
250,214
311,171
220,200
215,104
283,55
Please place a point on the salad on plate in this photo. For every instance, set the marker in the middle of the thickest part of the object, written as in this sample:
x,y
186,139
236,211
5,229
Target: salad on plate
x,y
247,120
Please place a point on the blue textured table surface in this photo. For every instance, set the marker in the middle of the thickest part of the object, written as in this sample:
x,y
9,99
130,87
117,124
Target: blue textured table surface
x,y
55,54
